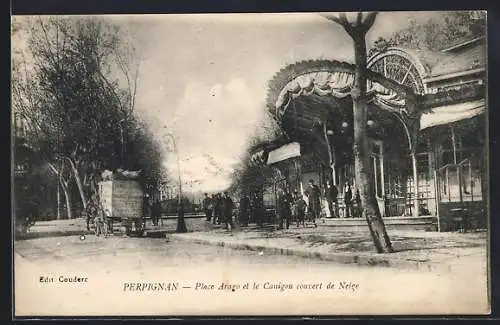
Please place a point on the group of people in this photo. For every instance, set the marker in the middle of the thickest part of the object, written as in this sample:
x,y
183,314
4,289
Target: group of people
x,y
219,209
294,206
291,207
350,201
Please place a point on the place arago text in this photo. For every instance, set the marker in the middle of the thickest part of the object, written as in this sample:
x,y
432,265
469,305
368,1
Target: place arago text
x,y
343,285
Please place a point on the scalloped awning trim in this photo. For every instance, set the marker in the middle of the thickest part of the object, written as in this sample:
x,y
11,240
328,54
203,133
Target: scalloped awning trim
x,y
337,84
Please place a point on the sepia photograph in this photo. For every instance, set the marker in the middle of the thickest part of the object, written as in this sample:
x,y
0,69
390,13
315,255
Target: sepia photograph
x,y
250,164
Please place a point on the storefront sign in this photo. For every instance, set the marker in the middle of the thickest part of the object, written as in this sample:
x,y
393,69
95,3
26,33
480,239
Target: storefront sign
x,y
287,151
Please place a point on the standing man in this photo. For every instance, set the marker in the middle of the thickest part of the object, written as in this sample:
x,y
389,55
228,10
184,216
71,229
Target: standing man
x,y
285,213
348,199
147,207
92,209
331,196
207,207
313,193
244,209
227,211
299,209
218,208
156,212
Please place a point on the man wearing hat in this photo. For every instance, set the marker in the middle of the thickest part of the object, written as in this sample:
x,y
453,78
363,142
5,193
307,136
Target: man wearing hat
x,y
227,210
207,207
313,194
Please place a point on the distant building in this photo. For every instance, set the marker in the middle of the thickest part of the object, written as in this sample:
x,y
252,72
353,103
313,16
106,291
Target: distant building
x,y
168,192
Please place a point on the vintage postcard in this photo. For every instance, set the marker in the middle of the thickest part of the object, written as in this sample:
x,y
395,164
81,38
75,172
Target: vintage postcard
x,y
290,164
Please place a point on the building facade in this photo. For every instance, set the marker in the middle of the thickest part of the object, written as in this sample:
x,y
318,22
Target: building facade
x,y
427,124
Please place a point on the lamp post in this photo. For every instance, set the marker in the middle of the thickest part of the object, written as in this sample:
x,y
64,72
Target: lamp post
x,y
331,152
181,223
122,143
357,24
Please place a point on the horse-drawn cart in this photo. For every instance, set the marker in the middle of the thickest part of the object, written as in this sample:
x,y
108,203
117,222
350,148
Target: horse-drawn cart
x,y
122,200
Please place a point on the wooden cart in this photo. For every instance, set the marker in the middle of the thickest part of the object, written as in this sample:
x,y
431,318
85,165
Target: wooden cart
x,y
122,201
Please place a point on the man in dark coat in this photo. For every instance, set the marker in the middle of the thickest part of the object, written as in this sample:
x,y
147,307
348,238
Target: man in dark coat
x,y
299,209
207,207
227,211
244,209
217,201
348,200
313,194
156,212
285,213
331,195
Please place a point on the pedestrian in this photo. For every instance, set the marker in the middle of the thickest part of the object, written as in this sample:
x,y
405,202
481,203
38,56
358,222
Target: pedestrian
x,y
227,211
244,209
285,213
91,210
101,223
313,194
156,212
258,210
207,207
348,200
331,197
299,210
147,205
218,208
358,209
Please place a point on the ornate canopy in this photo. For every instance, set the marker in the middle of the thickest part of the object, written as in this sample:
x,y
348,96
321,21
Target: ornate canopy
x,y
305,96
331,79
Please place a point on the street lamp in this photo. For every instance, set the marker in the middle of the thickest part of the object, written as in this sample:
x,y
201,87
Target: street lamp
x,y
181,224
331,151
122,142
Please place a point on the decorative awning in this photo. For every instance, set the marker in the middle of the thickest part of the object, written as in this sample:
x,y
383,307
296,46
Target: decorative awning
x,y
325,78
284,152
452,113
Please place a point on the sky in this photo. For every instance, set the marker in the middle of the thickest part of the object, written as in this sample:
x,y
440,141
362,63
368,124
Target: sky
x,y
203,78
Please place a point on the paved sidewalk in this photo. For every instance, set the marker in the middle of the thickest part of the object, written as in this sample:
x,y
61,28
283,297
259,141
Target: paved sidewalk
x,y
56,228
413,249
78,226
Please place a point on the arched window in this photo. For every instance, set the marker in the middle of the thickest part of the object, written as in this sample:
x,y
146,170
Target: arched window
x,y
400,66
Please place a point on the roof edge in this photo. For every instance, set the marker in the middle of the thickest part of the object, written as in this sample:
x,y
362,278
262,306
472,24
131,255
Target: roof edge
x,y
461,44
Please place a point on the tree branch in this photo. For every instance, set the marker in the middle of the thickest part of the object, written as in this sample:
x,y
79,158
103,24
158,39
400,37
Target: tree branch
x,y
369,20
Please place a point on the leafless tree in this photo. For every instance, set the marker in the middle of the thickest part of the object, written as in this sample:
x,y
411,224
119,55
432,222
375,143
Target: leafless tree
x,y
357,28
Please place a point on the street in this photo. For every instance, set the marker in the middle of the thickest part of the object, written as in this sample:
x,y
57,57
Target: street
x,y
112,264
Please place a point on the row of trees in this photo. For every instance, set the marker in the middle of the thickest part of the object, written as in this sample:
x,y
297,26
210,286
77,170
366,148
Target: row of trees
x,y
437,32
74,84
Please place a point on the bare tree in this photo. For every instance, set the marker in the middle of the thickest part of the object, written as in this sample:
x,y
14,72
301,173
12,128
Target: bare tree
x,y
357,29
75,85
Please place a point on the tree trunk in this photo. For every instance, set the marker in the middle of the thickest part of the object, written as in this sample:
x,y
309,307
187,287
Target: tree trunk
x,y
76,175
65,189
58,199
363,174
